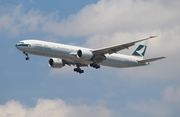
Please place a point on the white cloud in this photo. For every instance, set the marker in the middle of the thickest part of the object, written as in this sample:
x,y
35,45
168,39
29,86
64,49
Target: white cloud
x,y
52,108
16,21
12,109
168,106
109,16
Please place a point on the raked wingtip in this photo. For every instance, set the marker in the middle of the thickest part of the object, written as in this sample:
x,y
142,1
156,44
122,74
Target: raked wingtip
x,y
152,36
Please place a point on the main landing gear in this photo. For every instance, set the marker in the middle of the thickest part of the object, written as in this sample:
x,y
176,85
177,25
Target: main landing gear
x,y
27,58
79,70
94,65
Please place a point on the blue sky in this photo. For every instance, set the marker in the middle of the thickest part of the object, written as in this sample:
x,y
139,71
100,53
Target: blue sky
x,y
32,88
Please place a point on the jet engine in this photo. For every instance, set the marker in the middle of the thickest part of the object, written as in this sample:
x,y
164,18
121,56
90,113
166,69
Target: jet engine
x,y
56,63
84,54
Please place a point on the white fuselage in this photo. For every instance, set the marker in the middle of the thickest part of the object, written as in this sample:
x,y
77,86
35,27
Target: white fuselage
x,y
68,53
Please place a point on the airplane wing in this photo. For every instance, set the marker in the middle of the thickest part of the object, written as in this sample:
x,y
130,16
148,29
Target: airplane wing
x,y
116,48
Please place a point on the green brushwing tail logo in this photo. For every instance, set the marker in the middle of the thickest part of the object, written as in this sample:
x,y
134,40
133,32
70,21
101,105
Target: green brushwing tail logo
x,y
140,51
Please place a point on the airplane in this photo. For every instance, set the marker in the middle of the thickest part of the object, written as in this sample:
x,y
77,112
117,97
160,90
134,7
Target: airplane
x,y
62,54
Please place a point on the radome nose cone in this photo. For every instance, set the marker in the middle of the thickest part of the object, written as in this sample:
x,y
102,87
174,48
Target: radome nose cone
x,y
17,46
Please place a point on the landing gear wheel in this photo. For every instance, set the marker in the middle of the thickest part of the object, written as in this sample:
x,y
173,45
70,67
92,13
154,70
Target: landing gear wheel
x,y
94,65
79,70
75,69
27,58
97,67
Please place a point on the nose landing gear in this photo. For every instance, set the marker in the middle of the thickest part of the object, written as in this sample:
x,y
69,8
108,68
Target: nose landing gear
x,y
27,57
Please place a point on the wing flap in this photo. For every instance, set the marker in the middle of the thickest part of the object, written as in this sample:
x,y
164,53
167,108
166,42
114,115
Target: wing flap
x,y
151,60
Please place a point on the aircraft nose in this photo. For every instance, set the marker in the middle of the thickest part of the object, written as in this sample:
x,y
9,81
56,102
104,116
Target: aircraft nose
x,y
22,46
17,46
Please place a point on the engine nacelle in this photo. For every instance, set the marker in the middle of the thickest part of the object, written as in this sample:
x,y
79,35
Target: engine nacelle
x,y
84,54
56,63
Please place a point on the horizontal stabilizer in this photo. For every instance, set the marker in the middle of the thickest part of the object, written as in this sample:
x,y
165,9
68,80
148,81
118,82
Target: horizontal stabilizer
x,y
151,60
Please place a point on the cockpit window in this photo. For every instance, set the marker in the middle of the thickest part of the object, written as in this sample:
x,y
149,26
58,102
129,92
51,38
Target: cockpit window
x,y
21,42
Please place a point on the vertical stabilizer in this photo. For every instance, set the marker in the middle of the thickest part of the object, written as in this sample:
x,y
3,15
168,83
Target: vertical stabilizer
x,y
140,51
